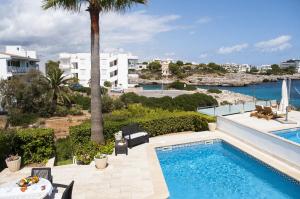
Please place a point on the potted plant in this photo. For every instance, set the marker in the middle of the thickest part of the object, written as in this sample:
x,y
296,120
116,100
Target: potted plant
x,y
118,136
212,126
13,163
100,160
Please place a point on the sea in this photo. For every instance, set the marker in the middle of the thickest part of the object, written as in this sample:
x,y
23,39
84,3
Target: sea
x,y
263,91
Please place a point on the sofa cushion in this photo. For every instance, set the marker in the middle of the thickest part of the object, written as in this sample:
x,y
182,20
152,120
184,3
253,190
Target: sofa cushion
x,y
136,135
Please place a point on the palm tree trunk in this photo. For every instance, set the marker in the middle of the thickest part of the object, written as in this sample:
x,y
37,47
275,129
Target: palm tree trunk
x,y
96,106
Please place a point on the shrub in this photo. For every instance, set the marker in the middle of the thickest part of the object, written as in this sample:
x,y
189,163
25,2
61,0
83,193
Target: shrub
x,y
63,149
86,152
61,111
187,102
6,146
33,145
154,121
192,102
83,101
181,86
75,110
107,84
17,118
213,90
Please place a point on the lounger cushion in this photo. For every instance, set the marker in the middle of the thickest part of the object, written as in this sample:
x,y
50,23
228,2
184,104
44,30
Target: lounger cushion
x,y
136,135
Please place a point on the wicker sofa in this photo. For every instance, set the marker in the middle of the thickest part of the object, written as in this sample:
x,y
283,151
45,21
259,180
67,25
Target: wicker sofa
x,y
134,135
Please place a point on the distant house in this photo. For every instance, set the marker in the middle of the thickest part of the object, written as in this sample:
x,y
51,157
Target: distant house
x,y
17,61
291,63
113,67
164,65
265,67
232,67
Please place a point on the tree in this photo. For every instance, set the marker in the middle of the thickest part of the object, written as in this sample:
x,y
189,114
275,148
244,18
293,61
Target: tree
x,y
154,66
57,87
51,65
94,7
107,84
179,63
174,69
26,93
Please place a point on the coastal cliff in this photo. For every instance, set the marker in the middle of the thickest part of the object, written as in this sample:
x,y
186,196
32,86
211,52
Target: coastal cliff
x,y
228,79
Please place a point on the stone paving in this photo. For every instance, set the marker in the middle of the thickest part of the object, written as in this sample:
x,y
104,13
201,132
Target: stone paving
x,y
263,124
135,176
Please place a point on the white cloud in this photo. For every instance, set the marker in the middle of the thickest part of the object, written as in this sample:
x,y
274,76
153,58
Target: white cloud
x,y
204,20
203,55
231,49
278,44
53,31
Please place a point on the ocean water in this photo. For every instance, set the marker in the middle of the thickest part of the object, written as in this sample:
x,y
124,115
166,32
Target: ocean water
x,y
267,91
263,91
219,170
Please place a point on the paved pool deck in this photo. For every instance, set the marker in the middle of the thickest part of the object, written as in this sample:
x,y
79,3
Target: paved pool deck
x,y
263,124
137,175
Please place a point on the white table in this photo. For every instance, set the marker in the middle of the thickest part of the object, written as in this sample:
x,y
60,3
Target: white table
x,y
12,191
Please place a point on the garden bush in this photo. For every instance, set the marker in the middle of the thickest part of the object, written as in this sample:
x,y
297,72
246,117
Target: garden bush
x,y
186,102
63,149
154,121
33,145
61,111
83,101
181,86
7,138
17,118
214,90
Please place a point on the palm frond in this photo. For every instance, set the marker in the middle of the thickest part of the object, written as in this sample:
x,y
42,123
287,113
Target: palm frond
x,y
71,5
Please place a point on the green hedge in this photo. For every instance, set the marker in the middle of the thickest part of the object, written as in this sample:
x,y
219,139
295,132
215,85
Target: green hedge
x,y
186,102
175,122
33,145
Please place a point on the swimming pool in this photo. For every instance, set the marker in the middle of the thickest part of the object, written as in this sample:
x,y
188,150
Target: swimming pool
x,y
219,170
289,134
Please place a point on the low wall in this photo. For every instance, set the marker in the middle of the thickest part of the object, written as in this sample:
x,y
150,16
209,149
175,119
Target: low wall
x,y
266,142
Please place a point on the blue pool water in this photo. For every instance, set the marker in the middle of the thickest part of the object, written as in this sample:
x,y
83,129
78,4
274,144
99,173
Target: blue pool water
x,y
264,91
290,134
219,170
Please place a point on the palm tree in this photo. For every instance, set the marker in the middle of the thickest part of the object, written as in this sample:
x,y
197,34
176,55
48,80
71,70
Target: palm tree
x,y
57,85
94,7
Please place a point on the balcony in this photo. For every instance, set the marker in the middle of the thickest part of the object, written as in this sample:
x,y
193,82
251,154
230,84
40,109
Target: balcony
x,y
15,69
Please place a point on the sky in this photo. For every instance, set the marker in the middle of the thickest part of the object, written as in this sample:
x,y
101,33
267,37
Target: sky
x,y
236,31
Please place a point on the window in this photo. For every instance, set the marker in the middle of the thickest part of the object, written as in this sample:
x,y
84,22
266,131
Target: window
x,y
75,75
114,73
113,63
75,65
13,63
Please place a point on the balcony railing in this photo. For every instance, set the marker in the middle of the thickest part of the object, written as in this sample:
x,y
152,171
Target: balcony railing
x,y
15,69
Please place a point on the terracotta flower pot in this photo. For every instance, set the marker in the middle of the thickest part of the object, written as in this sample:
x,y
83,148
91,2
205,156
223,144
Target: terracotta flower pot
x,y
212,126
13,165
100,163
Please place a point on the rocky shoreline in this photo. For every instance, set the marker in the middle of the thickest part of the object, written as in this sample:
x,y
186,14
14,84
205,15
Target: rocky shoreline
x,y
228,79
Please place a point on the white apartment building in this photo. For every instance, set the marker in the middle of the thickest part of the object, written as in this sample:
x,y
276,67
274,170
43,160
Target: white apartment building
x,y
291,63
265,67
113,67
17,61
232,67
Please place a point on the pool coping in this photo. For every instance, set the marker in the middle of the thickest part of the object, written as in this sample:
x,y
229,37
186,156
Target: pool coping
x,y
160,187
